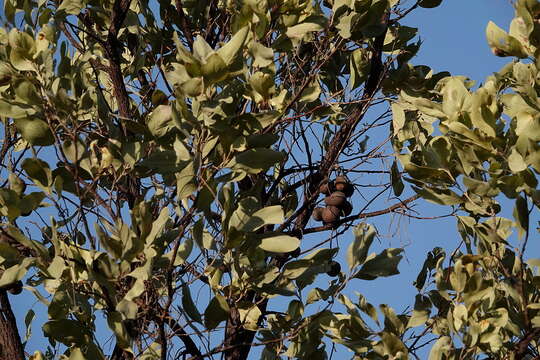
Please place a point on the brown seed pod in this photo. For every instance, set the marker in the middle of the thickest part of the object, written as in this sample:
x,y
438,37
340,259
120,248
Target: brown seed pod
x,y
346,208
330,214
343,185
16,288
334,268
323,189
348,189
327,188
317,213
337,198
341,180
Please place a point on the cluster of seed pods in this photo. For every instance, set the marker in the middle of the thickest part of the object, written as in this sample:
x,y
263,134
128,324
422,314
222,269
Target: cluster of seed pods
x,y
337,205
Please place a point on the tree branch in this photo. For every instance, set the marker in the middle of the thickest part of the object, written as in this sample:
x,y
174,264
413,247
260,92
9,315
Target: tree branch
x,y
341,138
10,341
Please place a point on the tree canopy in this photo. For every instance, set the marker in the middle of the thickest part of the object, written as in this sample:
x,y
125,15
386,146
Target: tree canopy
x,y
177,176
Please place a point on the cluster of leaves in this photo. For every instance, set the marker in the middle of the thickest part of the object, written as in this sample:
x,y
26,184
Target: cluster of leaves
x,y
472,149
153,150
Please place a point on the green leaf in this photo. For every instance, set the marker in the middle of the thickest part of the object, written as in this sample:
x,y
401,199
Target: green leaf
x,y
201,49
35,131
249,316
420,314
216,312
189,306
254,161
16,272
441,347
455,95
67,331
214,68
160,121
193,87
521,215
429,3
299,31
359,247
70,7
279,243
516,163
114,320
232,50
22,50
262,55
503,44
395,178
39,171
384,264
265,216
186,181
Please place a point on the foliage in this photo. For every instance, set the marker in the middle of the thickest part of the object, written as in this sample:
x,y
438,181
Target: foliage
x,y
161,162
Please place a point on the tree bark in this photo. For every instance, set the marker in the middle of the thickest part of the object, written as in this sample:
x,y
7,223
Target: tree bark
x,y
10,342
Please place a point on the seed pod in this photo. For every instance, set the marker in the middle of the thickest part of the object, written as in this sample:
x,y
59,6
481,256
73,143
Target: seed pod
x,y
348,189
343,185
346,208
341,180
327,188
337,198
330,214
16,288
334,268
317,213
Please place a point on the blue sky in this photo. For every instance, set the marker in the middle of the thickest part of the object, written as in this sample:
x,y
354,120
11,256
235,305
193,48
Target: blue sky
x,y
453,38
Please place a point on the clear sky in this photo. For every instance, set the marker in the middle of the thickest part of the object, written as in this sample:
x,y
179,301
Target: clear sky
x,y
453,38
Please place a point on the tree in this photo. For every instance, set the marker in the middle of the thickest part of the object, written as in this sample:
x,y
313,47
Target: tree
x,y
153,151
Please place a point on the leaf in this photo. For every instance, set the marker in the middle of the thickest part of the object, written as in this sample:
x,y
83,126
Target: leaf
x,y
455,94
254,161
35,131
521,215
189,306
22,50
279,243
300,30
442,345
265,216
160,121
70,7
201,49
114,320
516,163
216,312
39,171
249,316
16,272
262,55
384,264
359,247
420,314
429,3
460,316
193,87
395,178
67,331
439,196
214,69
232,50
186,181
503,44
